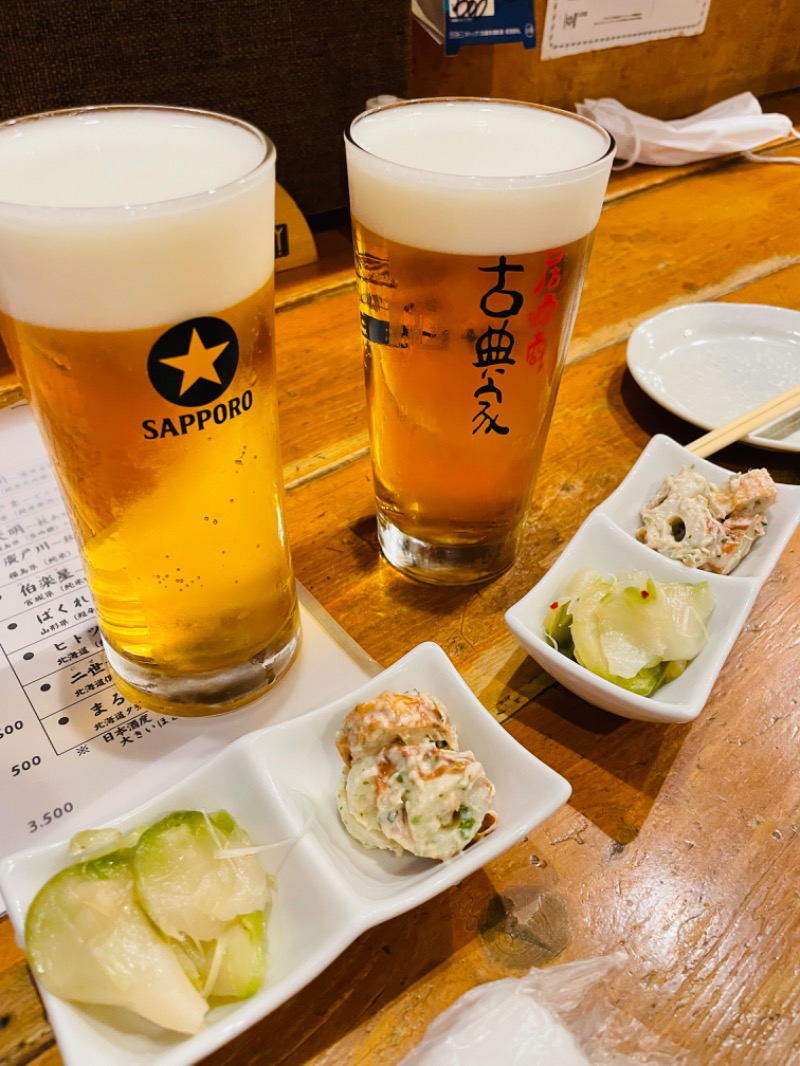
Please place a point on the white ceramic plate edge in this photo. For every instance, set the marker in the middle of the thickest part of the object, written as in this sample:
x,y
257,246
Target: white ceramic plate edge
x,y
641,356
231,1021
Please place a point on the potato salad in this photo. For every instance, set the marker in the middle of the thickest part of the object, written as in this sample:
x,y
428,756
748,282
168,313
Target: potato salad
x,y
405,786
706,526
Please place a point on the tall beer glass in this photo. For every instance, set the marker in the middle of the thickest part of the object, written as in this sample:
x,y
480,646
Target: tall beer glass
x,y
473,221
136,302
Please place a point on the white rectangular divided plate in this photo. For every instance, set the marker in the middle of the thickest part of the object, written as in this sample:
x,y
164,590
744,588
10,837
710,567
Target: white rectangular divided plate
x,y
280,784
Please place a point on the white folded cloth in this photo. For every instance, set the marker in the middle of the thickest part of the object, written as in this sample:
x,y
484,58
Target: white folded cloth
x,y
734,125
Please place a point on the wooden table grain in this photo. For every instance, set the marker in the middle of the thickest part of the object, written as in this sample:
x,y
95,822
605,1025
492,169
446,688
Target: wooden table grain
x,y
680,843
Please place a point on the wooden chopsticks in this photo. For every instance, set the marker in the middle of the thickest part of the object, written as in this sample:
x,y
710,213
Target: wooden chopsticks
x,y
748,423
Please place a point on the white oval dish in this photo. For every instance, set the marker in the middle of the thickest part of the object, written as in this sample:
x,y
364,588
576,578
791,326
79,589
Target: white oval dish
x,y
712,362
606,542
280,784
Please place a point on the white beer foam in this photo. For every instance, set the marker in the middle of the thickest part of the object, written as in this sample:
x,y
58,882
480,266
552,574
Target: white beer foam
x,y
477,177
115,219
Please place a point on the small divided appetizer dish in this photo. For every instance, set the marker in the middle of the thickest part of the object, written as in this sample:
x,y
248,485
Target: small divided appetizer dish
x,y
265,812
640,611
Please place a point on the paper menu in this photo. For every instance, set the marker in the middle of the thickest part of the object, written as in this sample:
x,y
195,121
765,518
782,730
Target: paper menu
x,y
574,26
74,752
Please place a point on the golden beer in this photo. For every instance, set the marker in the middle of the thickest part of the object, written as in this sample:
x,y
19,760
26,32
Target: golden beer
x,y
458,428
164,432
8,376
468,290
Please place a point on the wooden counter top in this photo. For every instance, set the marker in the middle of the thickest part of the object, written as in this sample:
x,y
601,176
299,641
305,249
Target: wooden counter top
x,y
679,844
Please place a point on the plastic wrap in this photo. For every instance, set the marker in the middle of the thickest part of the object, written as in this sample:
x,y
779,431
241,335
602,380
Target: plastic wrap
x,y
557,1016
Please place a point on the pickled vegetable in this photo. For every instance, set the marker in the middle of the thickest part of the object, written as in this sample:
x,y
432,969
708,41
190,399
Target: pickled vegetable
x,y
629,629
232,966
173,918
89,941
186,879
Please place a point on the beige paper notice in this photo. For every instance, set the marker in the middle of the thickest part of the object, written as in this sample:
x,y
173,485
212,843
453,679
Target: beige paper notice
x,y
573,26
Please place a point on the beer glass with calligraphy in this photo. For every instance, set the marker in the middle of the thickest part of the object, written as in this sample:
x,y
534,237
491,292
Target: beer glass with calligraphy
x,y
136,302
473,221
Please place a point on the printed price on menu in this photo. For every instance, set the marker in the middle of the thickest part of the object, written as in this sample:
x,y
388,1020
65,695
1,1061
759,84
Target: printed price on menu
x,y
58,698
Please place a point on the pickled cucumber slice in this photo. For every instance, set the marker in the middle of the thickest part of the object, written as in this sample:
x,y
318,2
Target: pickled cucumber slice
x,y
233,965
650,622
584,593
558,626
629,629
92,843
187,883
243,963
89,941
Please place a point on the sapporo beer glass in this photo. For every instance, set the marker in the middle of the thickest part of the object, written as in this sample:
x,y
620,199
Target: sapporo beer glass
x,y
473,221
136,302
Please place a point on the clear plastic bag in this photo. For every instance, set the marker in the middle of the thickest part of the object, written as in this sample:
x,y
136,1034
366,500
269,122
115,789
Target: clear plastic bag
x,y
557,1016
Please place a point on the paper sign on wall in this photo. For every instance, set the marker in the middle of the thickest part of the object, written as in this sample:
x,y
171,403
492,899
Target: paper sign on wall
x,y
573,26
